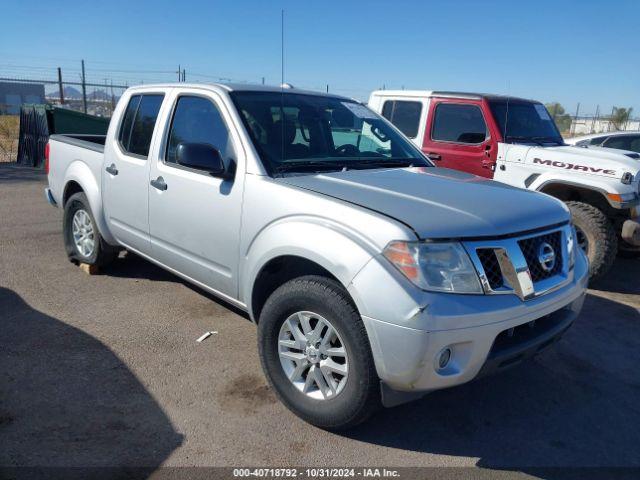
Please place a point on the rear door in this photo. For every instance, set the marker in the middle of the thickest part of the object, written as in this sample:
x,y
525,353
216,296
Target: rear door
x,y
194,217
457,136
126,179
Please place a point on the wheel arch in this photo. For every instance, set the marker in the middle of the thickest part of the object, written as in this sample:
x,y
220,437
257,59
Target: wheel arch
x,y
573,192
298,247
80,178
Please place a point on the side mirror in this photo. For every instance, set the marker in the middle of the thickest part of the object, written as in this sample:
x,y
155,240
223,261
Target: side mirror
x,y
201,156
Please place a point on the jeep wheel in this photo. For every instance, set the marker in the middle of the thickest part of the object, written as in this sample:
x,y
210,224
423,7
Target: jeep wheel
x,y
596,236
316,355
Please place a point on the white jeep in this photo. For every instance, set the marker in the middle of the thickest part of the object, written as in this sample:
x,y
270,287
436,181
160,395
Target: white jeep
x,y
516,141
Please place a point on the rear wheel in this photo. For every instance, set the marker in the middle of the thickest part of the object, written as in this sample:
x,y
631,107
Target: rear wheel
x,y
316,355
596,236
82,239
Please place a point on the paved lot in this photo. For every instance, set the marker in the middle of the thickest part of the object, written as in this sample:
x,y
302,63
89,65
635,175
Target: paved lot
x,y
105,370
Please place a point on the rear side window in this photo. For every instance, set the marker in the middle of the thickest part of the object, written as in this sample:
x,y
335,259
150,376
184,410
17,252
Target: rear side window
x,y
138,123
404,115
197,120
459,123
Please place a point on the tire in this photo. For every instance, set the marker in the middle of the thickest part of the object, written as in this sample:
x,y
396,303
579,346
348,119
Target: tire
x,y
359,396
602,240
101,252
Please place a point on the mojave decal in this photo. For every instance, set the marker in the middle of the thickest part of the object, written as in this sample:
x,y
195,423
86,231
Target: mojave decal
x,y
573,166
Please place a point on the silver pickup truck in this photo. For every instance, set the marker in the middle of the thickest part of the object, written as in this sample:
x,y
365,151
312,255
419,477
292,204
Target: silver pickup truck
x,y
373,277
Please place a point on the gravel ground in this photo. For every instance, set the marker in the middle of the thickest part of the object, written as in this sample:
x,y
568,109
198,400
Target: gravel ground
x,y
105,370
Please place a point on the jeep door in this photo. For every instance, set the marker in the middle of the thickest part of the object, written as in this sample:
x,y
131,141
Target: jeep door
x,y
457,136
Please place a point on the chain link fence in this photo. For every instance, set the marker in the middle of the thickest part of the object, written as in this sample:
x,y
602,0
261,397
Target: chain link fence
x,y
9,130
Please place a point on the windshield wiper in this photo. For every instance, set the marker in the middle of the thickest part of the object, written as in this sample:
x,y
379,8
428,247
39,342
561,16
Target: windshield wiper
x,y
520,138
305,166
383,163
549,140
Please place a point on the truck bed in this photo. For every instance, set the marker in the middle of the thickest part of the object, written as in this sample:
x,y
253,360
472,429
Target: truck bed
x,y
75,156
93,142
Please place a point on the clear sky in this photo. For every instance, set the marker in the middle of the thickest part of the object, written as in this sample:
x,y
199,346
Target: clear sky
x,y
566,51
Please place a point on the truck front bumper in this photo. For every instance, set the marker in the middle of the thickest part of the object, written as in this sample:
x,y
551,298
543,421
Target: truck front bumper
x,y
485,334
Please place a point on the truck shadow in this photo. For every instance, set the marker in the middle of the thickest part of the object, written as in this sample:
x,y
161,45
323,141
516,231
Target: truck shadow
x,y
624,277
130,265
66,400
574,405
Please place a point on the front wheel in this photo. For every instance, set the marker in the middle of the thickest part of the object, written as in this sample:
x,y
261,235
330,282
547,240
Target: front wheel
x,y
596,236
316,355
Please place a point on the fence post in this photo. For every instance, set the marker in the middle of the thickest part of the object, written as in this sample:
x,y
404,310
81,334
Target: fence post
x,y
60,89
575,122
84,90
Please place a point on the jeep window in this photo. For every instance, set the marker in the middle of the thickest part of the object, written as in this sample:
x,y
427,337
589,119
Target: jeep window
x,y
459,124
295,132
526,122
197,120
404,115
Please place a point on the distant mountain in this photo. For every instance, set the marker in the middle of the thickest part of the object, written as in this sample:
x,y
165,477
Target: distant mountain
x,y
72,93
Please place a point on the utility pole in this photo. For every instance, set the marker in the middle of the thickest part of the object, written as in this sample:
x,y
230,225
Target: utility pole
x,y
263,80
327,88
84,90
184,74
179,72
60,89
113,98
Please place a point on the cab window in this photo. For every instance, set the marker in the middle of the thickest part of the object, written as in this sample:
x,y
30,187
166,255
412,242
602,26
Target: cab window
x,y
197,120
138,123
458,123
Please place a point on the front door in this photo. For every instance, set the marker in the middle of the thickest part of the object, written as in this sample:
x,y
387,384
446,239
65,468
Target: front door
x,y
194,217
125,181
457,137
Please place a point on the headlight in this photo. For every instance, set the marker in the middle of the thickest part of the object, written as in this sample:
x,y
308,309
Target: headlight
x,y
441,267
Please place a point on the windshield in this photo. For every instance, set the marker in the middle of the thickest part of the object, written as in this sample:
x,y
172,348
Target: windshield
x,y
525,122
307,133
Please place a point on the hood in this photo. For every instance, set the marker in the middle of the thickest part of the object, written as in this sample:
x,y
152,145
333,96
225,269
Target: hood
x,y
438,202
604,162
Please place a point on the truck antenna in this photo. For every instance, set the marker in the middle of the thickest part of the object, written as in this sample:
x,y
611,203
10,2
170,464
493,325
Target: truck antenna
x,y
282,83
506,115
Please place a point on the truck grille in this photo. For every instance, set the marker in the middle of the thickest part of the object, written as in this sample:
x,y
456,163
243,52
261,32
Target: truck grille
x,y
527,265
531,248
491,267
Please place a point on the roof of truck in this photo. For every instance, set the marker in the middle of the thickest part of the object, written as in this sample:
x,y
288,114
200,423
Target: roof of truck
x,y
447,94
237,87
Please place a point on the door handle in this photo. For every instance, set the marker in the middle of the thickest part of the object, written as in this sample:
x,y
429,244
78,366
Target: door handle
x,y
434,156
112,169
159,183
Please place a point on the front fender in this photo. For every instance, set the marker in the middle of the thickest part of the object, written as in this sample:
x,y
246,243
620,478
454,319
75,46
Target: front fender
x,y
333,246
594,184
80,173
